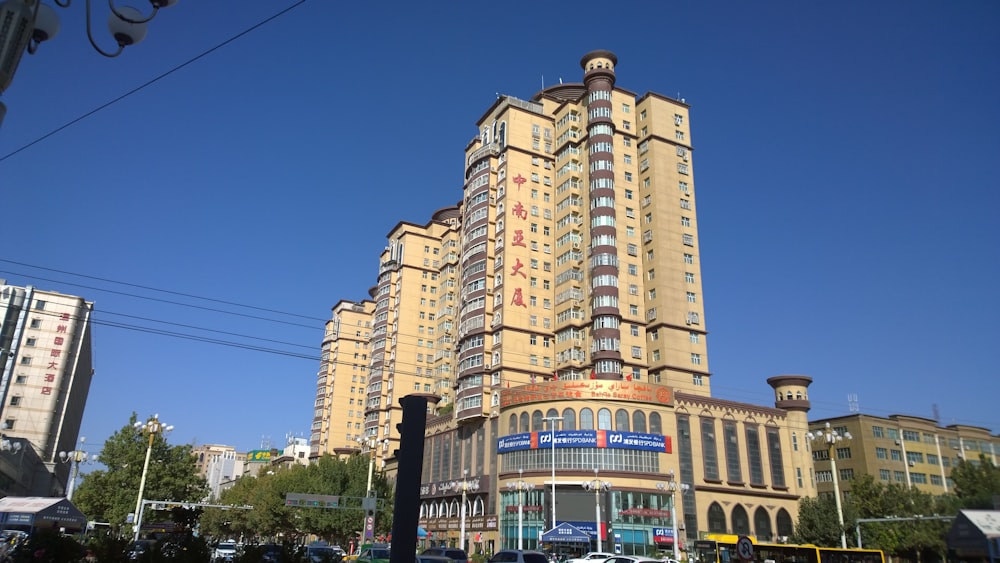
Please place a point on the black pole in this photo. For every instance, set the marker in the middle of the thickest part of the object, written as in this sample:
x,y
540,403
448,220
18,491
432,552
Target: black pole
x,y
410,456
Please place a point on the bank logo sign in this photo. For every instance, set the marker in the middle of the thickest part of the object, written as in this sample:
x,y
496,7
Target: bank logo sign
x,y
585,439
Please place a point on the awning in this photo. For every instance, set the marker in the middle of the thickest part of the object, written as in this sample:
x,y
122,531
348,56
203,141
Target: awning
x,y
421,533
41,512
566,533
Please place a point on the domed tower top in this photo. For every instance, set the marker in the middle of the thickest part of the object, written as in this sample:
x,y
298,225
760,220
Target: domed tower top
x,y
791,392
599,64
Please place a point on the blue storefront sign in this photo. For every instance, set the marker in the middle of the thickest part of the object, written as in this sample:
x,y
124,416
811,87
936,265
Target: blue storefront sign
x,y
585,439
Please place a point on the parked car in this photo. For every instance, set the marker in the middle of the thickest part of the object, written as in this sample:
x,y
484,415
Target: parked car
x,y
224,552
636,559
432,559
373,553
138,548
592,557
322,553
519,556
456,555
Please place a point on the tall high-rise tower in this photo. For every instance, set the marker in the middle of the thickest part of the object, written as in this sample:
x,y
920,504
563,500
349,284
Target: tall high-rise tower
x,y
47,370
557,314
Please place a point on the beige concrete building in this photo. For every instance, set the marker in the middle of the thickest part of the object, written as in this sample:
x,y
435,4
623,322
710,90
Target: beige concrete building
x,y
343,376
556,316
46,375
901,449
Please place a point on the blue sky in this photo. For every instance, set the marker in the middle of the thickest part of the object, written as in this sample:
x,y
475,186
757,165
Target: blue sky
x,y
844,166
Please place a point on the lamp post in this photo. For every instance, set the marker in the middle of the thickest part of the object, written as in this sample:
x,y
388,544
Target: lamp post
x,y
830,437
551,421
464,485
520,486
370,443
76,457
672,486
598,486
151,427
32,23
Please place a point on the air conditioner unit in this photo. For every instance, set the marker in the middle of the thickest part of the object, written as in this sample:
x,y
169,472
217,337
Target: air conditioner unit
x,y
912,464
487,365
897,442
578,342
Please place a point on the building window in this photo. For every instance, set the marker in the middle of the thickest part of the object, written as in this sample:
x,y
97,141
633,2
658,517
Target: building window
x,y
694,337
734,473
36,323
774,453
688,277
877,431
689,258
40,305
685,221
696,359
15,400
691,297
710,456
697,380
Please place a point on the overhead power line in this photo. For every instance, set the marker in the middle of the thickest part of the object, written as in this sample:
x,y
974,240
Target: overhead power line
x,y
153,80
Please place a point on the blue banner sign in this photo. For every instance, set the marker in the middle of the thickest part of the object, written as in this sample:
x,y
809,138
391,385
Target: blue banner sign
x,y
585,439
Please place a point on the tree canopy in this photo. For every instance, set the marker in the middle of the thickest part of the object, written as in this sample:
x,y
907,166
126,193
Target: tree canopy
x,y
110,495
272,520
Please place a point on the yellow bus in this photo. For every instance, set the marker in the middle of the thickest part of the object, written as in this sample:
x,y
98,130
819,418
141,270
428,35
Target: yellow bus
x,y
721,548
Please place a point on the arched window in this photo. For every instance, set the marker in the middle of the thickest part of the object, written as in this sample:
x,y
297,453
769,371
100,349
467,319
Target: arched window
x,y
762,525
478,508
604,419
569,419
621,420
655,426
741,521
423,510
525,427
503,135
586,419
513,424
784,523
537,423
716,519
638,421
552,413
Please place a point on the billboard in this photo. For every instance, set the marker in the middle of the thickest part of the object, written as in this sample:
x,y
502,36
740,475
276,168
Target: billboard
x,y
585,439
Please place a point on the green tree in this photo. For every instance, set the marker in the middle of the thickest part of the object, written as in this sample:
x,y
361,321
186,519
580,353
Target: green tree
x,y
271,518
109,495
976,483
817,522
909,537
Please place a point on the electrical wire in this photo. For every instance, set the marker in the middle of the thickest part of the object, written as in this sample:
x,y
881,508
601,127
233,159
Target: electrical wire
x,y
729,391
152,81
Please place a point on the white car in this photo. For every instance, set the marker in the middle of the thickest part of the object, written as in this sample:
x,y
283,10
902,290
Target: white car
x,y
224,552
592,557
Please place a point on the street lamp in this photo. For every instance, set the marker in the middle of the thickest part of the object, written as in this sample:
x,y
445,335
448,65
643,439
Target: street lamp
x,y
151,427
831,438
520,486
598,486
370,444
464,485
76,457
32,22
672,486
551,421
